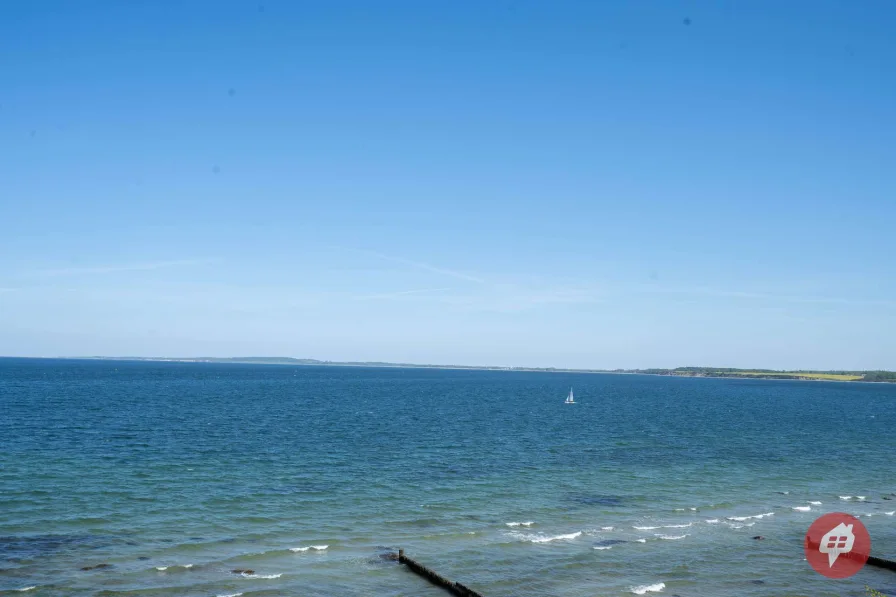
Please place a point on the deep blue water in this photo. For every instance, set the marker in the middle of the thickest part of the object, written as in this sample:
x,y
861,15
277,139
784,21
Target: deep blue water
x,y
176,474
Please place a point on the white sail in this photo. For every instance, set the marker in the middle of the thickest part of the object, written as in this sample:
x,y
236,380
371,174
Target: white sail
x,y
570,399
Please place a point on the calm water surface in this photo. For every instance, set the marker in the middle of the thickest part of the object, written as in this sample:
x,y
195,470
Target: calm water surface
x,y
176,474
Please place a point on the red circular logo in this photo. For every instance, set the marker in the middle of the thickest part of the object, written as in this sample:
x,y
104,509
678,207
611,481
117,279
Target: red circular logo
x,y
837,545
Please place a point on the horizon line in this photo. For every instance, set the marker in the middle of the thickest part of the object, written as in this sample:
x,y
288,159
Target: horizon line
x,y
299,360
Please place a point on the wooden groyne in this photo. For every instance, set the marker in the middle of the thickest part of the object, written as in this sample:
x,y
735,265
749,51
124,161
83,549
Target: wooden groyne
x,y
455,588
881,563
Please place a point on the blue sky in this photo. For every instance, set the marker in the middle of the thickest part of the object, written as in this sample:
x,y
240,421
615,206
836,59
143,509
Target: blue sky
x,y
586,184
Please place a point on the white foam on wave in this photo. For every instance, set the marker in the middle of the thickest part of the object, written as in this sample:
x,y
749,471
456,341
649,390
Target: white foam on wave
x,y
602,547
845,498
692,509
815,503
549,538
304,549
712,521
164,568
269,576
644,589
671,537
679,509
520,524
890,513
802,508
664,526
606,528
641,540
231,595
23,589
743,518
860,497
735,525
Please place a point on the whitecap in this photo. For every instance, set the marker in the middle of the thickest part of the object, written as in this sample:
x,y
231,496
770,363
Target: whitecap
x,y
304,549
860,497
664,526
679,509
743,518
231,595
641,540
161,568
802,508
735,525
602,547
712,521
548,539
815,503
518,524
845,498
644,589
692,509
606,528
269,576
890,513
23,589
672,537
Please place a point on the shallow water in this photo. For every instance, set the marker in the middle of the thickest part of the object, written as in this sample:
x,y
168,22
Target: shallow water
x,y
177,474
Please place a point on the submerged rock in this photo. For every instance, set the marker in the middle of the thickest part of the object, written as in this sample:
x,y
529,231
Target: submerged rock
x,y
97,567
241,571
758,537
609,542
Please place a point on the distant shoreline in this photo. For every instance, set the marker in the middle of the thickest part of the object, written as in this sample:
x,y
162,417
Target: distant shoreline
x,y
704,372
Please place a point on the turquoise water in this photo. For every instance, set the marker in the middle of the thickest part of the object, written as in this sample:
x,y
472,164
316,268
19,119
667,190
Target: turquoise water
x,y
177,474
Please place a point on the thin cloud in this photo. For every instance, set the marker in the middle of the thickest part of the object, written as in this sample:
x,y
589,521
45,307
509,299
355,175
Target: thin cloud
x,y
767,296
113,269
399,294
424,266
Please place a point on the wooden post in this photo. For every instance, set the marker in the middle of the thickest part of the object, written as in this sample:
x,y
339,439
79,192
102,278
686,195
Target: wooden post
x,y
455,588
882,563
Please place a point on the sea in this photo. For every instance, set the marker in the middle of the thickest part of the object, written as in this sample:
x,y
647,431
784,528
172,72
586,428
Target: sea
x,y
163,479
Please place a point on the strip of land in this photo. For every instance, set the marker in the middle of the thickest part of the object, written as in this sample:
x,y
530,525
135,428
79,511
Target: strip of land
x,y
866,376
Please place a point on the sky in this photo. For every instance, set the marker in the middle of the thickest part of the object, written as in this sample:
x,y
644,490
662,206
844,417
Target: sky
x,y
514,183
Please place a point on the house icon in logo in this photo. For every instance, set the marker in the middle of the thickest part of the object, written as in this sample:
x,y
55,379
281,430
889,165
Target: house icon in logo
x,y
838,540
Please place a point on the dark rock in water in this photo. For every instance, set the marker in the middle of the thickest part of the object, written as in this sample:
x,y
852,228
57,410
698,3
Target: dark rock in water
x,y
886,497
97,567
609,542
758,537
241,571
598,500
757,582
143,558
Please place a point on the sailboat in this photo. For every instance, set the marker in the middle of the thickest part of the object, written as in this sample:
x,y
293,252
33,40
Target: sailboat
x,y
570,399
